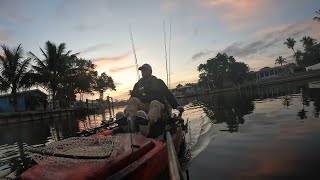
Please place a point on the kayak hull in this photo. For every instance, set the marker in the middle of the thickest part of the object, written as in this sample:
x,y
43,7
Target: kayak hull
x,y
146,159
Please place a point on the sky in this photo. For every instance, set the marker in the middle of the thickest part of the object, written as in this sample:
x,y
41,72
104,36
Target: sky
x,y
253,31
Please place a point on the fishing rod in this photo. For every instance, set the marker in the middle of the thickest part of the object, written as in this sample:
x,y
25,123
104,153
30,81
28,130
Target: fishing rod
x,y
134,51
165,50
169,55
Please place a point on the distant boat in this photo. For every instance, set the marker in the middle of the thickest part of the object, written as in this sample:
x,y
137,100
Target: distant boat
x,y
314,85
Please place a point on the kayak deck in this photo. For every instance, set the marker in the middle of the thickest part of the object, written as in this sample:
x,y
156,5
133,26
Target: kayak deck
x,y
138,158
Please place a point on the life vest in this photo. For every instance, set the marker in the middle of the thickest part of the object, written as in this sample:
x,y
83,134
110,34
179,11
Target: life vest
x,y
148,89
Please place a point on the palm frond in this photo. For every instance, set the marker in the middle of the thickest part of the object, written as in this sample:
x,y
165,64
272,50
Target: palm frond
x,y
37,60
43,53
4,85
23,68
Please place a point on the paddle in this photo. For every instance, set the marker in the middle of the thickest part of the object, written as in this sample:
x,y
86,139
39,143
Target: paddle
x,y
174,166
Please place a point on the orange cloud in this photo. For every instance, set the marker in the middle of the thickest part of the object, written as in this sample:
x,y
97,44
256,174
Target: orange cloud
x,y
169,5
238,12
105,62
123,68
113,59
237,9
95,48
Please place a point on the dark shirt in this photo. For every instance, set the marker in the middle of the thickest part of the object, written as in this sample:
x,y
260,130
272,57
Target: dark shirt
x,y
151,88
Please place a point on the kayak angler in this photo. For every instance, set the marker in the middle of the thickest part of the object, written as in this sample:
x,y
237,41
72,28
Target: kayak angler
x,y
150,95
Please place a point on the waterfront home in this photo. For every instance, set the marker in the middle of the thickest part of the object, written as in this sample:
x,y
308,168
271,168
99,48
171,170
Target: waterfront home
x,y
313,67
32,100
268,72
184,91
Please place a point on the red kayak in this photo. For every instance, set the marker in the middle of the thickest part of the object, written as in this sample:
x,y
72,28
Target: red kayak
x,y
140,158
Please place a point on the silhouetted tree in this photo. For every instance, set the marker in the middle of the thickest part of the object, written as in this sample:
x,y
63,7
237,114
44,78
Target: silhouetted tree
x,y
84,80
308,43
228,108
103,83
53,71
317,18
290,44
178,86
221,68
280,60
238,72
14,72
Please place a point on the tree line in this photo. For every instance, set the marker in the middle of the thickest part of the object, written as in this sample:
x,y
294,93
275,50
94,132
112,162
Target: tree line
x,y
59,71
310,54
223,68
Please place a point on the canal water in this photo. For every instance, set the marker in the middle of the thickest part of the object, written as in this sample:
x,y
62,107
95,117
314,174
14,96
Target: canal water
x,y
264,133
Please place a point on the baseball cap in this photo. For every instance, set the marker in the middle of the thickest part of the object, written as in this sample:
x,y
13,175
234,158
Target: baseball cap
x,y
145,66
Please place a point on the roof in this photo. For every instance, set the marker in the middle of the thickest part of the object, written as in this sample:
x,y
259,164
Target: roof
x,y
184,87
34,91
277,67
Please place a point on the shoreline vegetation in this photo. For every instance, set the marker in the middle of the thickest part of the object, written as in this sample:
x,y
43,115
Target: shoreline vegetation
x,y
223,73
62,74
309,75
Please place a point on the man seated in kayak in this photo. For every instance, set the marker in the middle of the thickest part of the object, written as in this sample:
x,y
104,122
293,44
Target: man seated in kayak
x,y
149,95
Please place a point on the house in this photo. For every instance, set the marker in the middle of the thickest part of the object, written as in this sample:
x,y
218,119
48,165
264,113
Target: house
x,y
313,67
184,91
32,100
268,72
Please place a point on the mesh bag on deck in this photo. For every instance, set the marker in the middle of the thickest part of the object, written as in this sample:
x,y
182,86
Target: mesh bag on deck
x,y
77,150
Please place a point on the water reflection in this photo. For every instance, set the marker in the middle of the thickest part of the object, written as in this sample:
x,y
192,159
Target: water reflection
x,y
226,108
13,138
270,142
286,101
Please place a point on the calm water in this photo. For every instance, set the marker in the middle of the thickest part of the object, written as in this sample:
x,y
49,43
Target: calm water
x,y
261,133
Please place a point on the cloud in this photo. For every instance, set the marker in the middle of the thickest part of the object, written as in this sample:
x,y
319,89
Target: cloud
x,y
92,15
104,63
169,5
85,27
239,14
270,39
200,54
95,48
113,59
239,9
123,68
15,11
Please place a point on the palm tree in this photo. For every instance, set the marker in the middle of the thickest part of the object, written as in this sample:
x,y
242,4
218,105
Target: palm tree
x,y
317,18
308,43
290,43
14,72
280,60
55,69
103,83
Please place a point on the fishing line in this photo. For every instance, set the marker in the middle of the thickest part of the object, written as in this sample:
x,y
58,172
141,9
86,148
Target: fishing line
x,y
165,49
134,51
